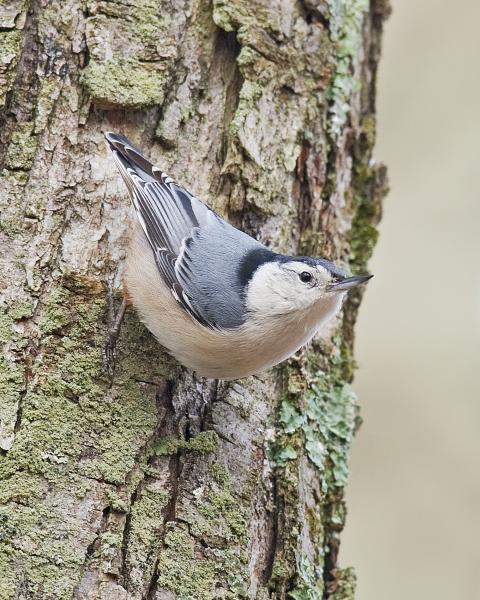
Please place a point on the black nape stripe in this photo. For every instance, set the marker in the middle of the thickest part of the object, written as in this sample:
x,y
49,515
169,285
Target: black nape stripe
x,y
250,263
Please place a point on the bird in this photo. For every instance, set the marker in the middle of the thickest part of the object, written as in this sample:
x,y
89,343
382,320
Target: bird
x,y
219,301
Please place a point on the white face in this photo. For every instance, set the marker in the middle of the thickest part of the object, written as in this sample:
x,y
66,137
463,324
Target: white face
x,y
279,288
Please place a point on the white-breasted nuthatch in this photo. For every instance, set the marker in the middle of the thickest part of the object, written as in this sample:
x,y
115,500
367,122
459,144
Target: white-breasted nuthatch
x,y
220,302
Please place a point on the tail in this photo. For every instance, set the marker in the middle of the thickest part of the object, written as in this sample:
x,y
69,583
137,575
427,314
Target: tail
x,y
130,161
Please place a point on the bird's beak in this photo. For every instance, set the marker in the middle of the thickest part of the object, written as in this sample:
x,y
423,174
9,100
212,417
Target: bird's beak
x,y
348,283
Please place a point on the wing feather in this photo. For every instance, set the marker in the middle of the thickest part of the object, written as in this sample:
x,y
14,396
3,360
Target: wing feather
x,y
194,249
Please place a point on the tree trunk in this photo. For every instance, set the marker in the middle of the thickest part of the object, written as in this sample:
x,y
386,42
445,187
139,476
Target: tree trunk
x,y
156,484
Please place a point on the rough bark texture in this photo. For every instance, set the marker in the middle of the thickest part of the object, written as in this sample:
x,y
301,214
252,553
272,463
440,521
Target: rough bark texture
x,y
158,485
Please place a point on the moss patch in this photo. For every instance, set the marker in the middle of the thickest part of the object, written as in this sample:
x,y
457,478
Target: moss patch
x,y
12,376
145,535
344,584
346,21
124,82
325,421
10,47
318,416
204,442
22,148
75,429
179,569
205,552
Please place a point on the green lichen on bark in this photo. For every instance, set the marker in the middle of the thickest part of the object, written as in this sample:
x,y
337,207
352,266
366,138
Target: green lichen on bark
x,y
215,520
179,571
124,82
346,22
10,47
67,388
318,416
277,76
327,422
130,70
145,530
344,586
218,513
370,186
115,502
22,147
47,96
12,378
203,442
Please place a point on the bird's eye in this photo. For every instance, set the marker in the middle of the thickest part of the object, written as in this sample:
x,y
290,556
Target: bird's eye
x,y
305,276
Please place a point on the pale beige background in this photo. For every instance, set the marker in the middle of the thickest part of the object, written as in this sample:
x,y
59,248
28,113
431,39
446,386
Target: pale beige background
x,y
413,529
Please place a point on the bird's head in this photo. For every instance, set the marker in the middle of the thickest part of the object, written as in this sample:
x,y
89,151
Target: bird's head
x,y
284,284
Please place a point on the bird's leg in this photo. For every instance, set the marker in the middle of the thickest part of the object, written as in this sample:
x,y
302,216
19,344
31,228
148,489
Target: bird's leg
x,y
115,323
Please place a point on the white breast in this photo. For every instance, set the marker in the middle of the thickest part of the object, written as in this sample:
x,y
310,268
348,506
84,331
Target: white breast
x,y
222,355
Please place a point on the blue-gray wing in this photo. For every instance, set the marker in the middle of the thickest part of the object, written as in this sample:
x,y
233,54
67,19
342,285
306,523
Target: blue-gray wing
x,y
197,253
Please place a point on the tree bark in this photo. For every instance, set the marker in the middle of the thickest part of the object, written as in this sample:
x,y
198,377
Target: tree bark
x,y
155,484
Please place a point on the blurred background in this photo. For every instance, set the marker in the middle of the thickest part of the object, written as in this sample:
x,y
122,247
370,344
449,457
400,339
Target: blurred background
x,y
413,528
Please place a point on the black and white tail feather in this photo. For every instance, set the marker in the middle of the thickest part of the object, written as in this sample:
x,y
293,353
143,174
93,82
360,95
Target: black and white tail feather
x,y
185,236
